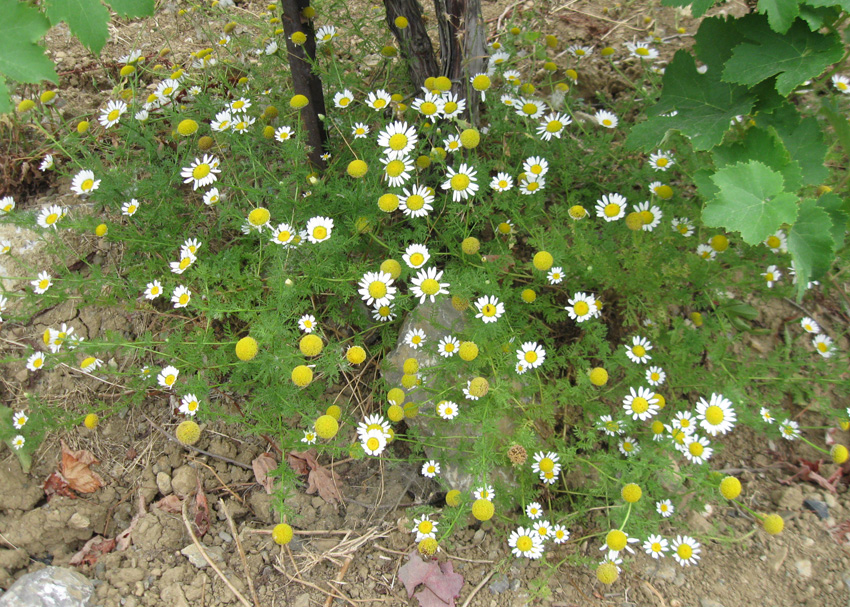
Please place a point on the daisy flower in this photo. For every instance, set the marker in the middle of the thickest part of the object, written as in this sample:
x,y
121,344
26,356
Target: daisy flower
x,y
111,114
181,296
424,528
560,534
84,183
452,143
376,288
640,405
7,204
360,130
47,163
309,437
628,446
543,529
685,550
398,139
241,122
415,338
766,415
35,361
530,184
544,462
789,429
521,368
90,364
167,376
809,325
462,182
430,469
129,208
696,449
552,125
683,226
416,256
384,313
526,542
536,166
655,546
307,323
606,119
655,376
186,260
426,284
5,247
448,346
343,99
611,207
582,306
638,351
153,290
189,404
168,88
42,283
50,216
284,234
452,107
240,105
18,442
665,508
512,77
485,492
685,421
481,83
319,229
579,51
771,275
374,442
842,83
534,510
378,100
509,100
417,202
716,416
530,108
397,171
531,354
661,161
555,275
641,50
617,541
502,182
490,309
373,422
222,121
201,172
650,214
778,242
447,409
609,426
325,34
428,105
19,419
706,252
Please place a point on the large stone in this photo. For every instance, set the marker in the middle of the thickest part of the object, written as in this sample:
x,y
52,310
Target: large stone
x,y
49,587
20,491
439,320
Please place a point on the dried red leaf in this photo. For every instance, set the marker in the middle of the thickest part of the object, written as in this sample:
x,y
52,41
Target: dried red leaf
x,y
302,461
124,539
326,483
57,485
447,584
202,511
75,468
442,584
171,504
262,465
93,550
415,572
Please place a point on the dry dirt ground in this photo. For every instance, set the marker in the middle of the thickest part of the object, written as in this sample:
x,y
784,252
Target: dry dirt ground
x,y
355,550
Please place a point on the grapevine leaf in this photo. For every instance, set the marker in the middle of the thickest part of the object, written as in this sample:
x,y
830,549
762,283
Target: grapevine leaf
x,y
780,13
817,17
806,146
714,41
87,20
793,58
132,8
704,105
698,7
705,186
21,58
811,244
650,134
838,210
844,4
5,100
837,120
763,145
751,200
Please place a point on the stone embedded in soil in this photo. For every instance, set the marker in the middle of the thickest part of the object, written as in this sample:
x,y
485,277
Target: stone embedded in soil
x,y
804,568
184,481
790,498
49,587
20,491
709,602
193,553
163,483
818,507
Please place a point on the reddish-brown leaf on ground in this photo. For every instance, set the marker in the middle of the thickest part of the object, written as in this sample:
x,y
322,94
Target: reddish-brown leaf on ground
x,y
447,584
124,539
202,510
300,461
441,583
171,504
57,485
415,572
92,550
262,465
75,468
326,483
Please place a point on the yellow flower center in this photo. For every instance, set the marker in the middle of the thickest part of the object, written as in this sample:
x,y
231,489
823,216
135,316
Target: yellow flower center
x,y
379,103
581,308
87,185
377,289
656,546
51,219
773,242
184,299
554,126
199,172
37,362
607,122
113,115
43,284
642,51
417,259
546,464
529,108
373,443
530,356
488,310
398,141
639,351
320,232
612,210
428,108
430,286
683,228
684,551
395,168
237,105
647,217
415,202
185,263
640,405
481,82
450,107
284,236
662,162
460,182
425,527
169,379
627,446
154,290
696,449
167,90
714,415
685,423
616,540
841,86
524,543
259,217
531,186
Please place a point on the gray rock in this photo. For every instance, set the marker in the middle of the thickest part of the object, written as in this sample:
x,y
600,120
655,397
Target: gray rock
x,y
302,600
184,481
499,584
439,320
163,483
20,491
195,557
667,573
804,568
790,498
830,500
707,602
817,507
49,587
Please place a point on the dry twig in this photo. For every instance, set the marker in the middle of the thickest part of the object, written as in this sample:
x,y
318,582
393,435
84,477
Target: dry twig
x,y
241,552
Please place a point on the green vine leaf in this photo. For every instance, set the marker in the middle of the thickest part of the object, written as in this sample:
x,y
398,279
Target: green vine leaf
x,y
780,13
698,7
132,8
811,244
704,106
87,20
21,58
751,200
765,146
793,58
838,210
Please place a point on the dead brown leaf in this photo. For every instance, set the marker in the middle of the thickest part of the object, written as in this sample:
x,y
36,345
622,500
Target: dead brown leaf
x,y
92,550
124,539
171,504
75,468
300,460
319,478
262,465
202,510
57,485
